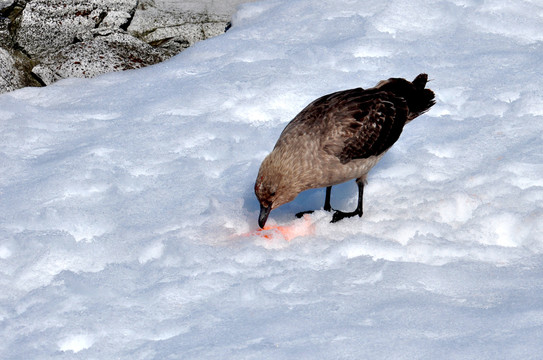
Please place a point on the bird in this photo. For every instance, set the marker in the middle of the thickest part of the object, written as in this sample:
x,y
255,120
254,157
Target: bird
x,y
337,138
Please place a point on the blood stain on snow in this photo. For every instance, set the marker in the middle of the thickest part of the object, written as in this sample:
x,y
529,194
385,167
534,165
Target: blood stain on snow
x,y
299,228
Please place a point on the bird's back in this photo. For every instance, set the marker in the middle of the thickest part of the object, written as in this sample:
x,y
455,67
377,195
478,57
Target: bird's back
x,y
357,123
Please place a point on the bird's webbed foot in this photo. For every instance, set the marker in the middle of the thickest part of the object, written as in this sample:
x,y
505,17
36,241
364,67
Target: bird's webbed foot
x,y
340,215
302,213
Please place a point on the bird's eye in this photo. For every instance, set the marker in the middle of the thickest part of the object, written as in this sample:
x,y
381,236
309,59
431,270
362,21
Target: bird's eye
x,y
272,193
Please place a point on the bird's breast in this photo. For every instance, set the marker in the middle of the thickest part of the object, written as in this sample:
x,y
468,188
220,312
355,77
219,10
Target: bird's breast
x,y
320,169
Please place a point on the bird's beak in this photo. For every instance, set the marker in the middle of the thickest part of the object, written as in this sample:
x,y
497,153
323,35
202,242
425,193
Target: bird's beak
x,y
264,212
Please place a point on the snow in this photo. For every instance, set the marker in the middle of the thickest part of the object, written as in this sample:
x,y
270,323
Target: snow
x,y
128,222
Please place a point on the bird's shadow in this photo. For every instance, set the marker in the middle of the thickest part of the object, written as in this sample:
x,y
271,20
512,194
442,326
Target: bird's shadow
x,y
312,199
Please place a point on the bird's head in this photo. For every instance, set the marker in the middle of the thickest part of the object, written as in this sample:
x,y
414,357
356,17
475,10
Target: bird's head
x,y
273,188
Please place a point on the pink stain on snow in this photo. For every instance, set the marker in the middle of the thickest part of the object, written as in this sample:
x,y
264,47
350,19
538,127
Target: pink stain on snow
x,y
302,227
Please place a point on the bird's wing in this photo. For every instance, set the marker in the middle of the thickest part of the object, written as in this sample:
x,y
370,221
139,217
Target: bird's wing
x,y
312,117
365,124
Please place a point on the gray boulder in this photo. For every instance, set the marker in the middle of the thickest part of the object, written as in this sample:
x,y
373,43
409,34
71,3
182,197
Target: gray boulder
x,y
10,77
15,71
5,37
174,29
108,51
49,25
15,67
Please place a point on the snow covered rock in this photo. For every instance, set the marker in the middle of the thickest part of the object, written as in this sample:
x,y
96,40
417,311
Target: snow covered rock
x,y
49,30
86,38
174,29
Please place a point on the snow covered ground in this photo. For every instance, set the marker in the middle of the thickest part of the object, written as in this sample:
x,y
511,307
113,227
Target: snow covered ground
x,y
127,213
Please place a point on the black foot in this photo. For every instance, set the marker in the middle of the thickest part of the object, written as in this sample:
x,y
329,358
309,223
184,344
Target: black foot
x,y
327,206
340,215
302,213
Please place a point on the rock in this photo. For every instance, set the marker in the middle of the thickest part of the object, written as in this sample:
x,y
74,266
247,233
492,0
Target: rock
x,y
113,52
15,67
116,20
223,8
42,41
9,77
50,25
5,37
8,12
14,71
174,29
215,28
6,6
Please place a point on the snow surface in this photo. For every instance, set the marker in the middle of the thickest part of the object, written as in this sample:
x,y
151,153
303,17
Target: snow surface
x,y
126,200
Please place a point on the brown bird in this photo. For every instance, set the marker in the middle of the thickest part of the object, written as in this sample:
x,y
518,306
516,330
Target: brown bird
x,y
336,138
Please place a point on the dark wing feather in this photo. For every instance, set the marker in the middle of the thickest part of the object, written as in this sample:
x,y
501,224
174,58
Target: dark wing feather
x,y
350,124
314,116
366,125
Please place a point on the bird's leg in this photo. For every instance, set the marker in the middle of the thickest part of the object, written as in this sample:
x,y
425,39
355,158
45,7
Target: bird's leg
x,y
327,206
338,215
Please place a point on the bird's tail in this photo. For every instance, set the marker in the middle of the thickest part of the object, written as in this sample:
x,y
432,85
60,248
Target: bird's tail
x,y
420,100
